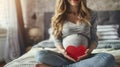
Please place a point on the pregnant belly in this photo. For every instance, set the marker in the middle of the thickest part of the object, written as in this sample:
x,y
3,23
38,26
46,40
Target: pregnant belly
x,y
75,40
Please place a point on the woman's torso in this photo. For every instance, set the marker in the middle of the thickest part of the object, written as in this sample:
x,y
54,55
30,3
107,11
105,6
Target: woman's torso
x,y
70,34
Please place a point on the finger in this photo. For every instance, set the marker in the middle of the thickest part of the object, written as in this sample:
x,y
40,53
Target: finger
x,y
79,59
70,58
82,57
87,51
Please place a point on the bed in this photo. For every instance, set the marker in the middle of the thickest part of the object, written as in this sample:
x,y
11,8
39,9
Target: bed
x,y
105,44
28,59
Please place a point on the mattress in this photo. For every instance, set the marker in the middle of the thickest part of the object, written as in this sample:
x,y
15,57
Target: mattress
x,y
28,59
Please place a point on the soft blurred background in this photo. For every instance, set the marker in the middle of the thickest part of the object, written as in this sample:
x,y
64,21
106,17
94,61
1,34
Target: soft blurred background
x,y
24,23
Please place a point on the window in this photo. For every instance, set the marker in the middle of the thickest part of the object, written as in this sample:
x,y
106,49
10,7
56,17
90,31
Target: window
x,y
3,13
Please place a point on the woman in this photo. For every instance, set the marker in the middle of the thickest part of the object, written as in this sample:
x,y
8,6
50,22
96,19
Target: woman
x,y
73,24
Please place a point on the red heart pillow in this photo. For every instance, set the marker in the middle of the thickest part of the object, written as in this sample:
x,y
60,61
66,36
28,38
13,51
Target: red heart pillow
x,y
76,52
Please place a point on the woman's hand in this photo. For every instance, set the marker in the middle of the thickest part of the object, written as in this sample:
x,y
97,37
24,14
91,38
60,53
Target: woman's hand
x,y
82,57
68,57
62,51
87,53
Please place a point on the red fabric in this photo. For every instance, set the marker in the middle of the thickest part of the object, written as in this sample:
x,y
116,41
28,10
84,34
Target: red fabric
x,y
76,52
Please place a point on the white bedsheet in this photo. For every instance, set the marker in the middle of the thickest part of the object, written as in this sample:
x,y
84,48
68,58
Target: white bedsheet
x,y
28,60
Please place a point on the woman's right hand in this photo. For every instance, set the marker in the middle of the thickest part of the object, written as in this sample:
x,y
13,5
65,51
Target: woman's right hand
x,y
68,57
62,50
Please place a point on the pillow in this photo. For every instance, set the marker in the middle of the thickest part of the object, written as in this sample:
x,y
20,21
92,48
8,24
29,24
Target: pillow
x,y
49,43
107,32
109,44
45,44
108,36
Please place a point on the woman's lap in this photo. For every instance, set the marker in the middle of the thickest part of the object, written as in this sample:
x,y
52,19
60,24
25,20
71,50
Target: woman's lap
x,y
97,60
57,59
52,58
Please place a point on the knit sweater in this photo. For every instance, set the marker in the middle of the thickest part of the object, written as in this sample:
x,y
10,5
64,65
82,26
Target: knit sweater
x,y
71,36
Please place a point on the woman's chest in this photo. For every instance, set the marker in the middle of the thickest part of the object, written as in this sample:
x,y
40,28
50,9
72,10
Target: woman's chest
x,y
71,28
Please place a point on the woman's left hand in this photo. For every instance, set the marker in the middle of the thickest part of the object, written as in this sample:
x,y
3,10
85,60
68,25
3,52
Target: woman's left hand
x,y
87,53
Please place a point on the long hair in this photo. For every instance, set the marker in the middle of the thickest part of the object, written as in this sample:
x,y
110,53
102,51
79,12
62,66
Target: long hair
x,y
61,12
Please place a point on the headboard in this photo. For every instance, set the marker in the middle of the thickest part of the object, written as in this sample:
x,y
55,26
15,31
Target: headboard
x,y
103,18
108,18
47,23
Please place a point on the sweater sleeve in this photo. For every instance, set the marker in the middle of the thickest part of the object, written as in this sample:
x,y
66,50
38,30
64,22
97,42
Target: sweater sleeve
x,y
93,29
57,41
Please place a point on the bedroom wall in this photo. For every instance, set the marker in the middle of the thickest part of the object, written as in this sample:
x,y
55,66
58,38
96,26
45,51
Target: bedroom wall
x,y
103,5
37,8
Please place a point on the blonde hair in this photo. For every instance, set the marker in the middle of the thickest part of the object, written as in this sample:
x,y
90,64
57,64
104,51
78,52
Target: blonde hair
x,y
61,12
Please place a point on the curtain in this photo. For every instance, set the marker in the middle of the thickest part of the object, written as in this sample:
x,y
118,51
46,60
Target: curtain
x,y
14,39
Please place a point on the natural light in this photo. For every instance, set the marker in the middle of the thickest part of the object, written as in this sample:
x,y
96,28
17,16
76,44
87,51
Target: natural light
x,y
3,13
